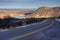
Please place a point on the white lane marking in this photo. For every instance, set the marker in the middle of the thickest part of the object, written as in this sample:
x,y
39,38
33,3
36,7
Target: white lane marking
x,y
30,33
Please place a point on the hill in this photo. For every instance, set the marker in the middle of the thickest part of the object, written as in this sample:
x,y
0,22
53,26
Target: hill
x,y
13,13
45,12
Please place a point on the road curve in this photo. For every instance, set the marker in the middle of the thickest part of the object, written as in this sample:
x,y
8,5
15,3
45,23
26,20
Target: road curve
x,y
27,32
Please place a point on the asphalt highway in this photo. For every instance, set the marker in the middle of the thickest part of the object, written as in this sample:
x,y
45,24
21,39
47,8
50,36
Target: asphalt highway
x,y
46,30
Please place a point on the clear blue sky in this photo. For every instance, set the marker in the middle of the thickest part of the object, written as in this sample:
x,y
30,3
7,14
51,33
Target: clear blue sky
x,y
27,4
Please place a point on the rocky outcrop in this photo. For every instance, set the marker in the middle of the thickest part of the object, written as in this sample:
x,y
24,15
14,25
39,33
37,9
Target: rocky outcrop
x,y
45,12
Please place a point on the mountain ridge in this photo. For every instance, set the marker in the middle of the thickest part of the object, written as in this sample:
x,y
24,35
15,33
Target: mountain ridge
x,y
45,12
42,12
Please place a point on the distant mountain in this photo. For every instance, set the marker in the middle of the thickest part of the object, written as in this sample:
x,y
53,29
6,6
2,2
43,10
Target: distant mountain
x,y
13,13
45,12
42,12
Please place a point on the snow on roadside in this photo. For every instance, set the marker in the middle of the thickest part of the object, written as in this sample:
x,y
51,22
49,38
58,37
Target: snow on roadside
x,y
3,30
58,19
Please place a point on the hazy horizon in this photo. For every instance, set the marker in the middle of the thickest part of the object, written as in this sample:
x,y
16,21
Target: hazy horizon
x,y
28,4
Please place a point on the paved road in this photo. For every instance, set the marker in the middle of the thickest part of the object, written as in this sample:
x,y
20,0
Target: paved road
x,y
47,30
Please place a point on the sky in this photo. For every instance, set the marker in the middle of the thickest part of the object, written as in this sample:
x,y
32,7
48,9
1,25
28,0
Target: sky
x,y
27,4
